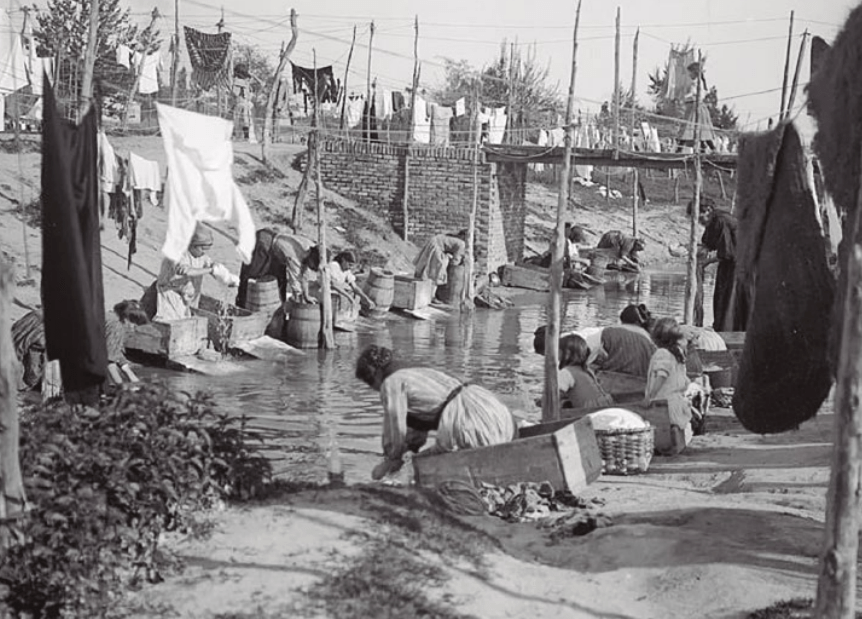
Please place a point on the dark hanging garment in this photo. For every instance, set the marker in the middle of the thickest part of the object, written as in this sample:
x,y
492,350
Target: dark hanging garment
x,y
369,123
819,47
784,373
303,81
72,296
210,57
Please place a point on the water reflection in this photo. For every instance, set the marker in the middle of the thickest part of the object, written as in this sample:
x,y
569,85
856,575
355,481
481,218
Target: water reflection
x,y
314,395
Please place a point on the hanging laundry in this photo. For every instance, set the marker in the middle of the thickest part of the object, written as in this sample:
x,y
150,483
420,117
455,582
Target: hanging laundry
x,y
199,185
108,167
369,123
784,372
497,126
304,80
819,47
144,174
13,63
149,83
354,111
397,102
124,56
72,295
210,57
557,137
678,83
42,66
543,141
441,117
461,107
484,120
421,126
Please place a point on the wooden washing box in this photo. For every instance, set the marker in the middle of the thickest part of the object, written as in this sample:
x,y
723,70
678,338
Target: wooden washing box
x,y
229,325
567,456
531,277
411,293
735,340
174,338
668,441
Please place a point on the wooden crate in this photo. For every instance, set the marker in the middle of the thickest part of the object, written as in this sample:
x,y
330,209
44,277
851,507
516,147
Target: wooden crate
x,y
567,457
533,278
173,338
411,293
622,387
229,325
734,339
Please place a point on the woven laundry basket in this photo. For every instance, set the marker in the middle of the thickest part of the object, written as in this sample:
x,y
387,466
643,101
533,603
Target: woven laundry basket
x,y
626,452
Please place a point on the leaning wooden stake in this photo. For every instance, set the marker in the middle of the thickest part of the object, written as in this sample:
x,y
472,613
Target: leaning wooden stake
x,y
344,90
635,173
470,285
783,111
617,93
836,586
368,86
146,38
799,61
89,60
691,280
273,88
551,396
405,208
325,284
12,497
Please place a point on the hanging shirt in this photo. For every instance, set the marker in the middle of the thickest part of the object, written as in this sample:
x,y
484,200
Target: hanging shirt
x,y
124,55
72,296
200,186
149,83
108,168
354,111
421,126
440,119
461,107
144,173
497,127
13,63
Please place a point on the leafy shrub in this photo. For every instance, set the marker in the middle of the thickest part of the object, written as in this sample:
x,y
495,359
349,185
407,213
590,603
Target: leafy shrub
x,y
104,484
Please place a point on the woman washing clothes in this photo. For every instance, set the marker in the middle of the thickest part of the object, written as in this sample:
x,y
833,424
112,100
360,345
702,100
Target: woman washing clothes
x,y
349,296
437,254
626,348
624,250
177,290
289,258
577,381
417,400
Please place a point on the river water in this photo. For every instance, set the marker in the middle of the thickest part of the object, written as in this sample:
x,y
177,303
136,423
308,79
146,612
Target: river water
x,y
310,399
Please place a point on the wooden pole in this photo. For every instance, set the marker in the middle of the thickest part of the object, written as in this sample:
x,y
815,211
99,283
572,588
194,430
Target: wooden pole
x,y
799,61
325,284
13,497
273,87
219,102
691,280
510,117
145,40
470,287
405,202
89,59
368,86
617,93
782,112
551,396
344,85
836,585
635,176
175,59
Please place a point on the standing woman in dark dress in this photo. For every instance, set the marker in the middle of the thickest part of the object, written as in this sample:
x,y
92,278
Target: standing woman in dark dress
x,y
718,244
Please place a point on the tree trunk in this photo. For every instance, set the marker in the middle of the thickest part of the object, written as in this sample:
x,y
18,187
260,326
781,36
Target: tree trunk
x,y
273,88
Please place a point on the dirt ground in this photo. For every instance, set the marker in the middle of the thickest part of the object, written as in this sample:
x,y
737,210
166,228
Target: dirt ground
x,y
731,525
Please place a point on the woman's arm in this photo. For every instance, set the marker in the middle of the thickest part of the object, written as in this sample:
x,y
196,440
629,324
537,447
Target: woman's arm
x,y
361,294
393,397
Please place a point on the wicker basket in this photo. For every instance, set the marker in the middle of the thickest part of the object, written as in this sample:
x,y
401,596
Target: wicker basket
x,y
626,452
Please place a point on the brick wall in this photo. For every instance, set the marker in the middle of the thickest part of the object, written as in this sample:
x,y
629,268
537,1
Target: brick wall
x,y
440,194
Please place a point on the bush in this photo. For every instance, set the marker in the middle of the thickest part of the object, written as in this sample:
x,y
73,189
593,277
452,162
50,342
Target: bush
x,y
105,484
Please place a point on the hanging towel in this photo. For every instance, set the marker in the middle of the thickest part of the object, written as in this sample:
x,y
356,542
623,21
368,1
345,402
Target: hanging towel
x,y
379,107
149,83
461,107
784,373
13,63
124,54
678,83
397,101
304,80
210,57
72,296
441,116
421,126
108,167
354,111
144,173
497,127
200,186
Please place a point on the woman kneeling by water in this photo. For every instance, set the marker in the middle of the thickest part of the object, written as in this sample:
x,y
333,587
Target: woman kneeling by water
x,y
417,400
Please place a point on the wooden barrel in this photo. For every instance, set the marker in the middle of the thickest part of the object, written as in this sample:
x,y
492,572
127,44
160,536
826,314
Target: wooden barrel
x,y
262,295
380,288
450,292
303,326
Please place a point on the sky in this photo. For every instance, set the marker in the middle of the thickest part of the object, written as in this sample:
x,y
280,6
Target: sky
x,y
744,41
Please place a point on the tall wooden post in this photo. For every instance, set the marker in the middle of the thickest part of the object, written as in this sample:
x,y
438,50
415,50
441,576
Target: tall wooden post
x,y
617,93
344,90
325,284
12,497
509,136
783,111
140,68
405,208
799,61
691,280
551,396
175,59
368,86
635,173
470,287
273,87
89,59
219,94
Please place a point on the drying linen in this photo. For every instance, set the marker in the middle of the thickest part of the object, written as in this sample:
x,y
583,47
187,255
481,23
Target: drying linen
x,y
304,80
397,101
461,107
39,67
441,116
108,167
200,186
784,371
149,83
354,111
382,104
144,174
678,83
497,126
543,141
72,296
13,64
124,56
210,57
421,126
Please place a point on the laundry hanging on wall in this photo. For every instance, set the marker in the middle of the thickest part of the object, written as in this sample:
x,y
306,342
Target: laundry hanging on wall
x,y
210,58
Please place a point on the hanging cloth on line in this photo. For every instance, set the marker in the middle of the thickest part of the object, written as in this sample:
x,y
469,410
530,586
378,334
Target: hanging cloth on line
x,y
303,81
72,294
210,57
